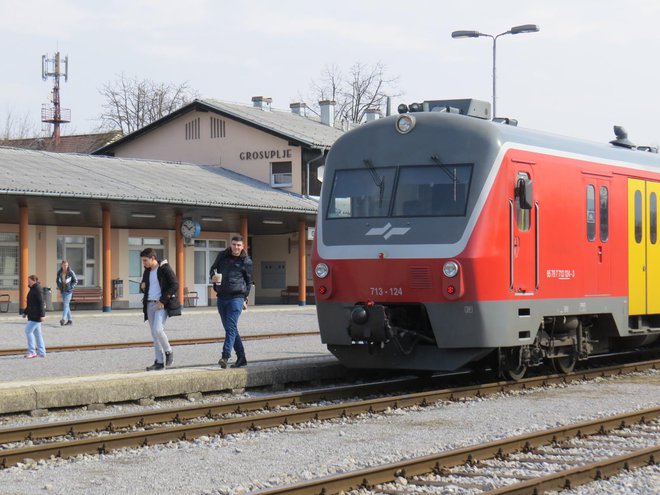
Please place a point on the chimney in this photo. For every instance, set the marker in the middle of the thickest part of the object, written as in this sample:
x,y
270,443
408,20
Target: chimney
x,y
372,114
327,112
299,109
262,102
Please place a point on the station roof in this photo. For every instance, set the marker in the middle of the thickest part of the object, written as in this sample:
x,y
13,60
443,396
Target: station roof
x,y
127,186
306,131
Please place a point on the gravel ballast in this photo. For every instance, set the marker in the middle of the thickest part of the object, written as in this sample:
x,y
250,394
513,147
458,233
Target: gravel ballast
x,y
254,460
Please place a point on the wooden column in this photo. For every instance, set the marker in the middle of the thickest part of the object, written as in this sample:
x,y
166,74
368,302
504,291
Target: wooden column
x,y
23,237
180,256
302,263
244,232
107,262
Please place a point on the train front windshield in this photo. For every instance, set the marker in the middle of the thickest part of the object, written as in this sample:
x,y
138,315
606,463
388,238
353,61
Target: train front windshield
x,y
410,191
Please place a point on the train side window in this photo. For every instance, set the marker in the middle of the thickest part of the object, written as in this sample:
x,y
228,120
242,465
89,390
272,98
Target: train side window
x,y
638,217
522,214
653,213
591,213
604,214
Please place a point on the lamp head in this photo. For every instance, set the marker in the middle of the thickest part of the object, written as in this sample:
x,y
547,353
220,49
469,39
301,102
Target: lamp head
x,y
524,28
465,34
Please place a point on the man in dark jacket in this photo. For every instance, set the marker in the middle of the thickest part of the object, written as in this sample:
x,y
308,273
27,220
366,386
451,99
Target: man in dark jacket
x,y
231,274
160,286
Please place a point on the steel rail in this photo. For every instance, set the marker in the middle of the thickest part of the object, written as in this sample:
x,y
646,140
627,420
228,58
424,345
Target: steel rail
x,y
188,412
10,457
175,342
209,410
595,471
435,463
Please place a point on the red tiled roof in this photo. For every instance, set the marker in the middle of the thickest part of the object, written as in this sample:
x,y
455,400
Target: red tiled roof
x,y
75,143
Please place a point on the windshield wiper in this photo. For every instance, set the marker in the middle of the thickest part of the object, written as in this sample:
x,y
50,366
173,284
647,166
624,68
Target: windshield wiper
x,y
451,174
378,180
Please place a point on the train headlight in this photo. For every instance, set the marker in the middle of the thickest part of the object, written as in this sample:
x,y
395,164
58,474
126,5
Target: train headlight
x,y
405,123
450,269
321,270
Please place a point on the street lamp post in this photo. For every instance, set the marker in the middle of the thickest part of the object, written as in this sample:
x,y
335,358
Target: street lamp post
x,y
524,28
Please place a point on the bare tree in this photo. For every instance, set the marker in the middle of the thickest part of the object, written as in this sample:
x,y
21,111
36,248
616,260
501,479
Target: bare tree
x,y
131,103
364,87
13,126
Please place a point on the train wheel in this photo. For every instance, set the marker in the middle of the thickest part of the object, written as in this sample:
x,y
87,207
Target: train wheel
x,y
564,364
512,367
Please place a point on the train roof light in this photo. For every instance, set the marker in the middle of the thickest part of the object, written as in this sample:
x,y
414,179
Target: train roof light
x,y
405,123
402,108
506,120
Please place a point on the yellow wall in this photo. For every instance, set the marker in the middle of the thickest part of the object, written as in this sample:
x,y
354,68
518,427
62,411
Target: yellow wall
x,y
168,143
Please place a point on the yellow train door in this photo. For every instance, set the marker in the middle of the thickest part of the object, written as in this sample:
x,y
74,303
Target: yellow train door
x,y
643,248
636,247
652,249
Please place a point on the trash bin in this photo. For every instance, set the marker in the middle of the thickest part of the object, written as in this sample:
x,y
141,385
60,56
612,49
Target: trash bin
x,y
117,288
48,298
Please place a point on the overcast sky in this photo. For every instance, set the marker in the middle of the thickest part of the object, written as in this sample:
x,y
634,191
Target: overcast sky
x,y
592,65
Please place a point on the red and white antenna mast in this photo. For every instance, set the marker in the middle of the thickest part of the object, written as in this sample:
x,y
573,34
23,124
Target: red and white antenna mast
x,y
51,67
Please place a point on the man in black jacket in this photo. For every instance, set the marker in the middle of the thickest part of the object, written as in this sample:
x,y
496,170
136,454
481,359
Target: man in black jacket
x,y
160,286
231,274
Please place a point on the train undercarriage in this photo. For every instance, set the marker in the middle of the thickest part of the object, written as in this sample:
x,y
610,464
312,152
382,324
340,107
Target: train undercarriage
x,y
560,342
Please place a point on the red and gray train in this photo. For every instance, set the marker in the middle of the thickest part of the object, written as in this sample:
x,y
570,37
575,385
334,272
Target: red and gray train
x,y
446,240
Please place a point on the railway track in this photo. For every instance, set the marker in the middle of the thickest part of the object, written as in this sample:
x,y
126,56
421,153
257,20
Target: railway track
x,y
62,439
174,342
515,463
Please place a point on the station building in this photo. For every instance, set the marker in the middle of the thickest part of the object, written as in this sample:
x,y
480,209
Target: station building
x,y
222,168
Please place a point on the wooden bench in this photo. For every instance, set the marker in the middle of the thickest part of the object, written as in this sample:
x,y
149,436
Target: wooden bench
x,y
87,295
5,301
293,291
190,298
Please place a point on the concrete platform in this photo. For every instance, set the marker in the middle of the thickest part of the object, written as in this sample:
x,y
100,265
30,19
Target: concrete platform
x,y
24,396
80,378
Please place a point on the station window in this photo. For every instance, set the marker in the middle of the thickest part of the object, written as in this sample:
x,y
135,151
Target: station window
x,y
135,268
193,129
280,174
80,252
638,217
8,261
591,213
205,253
653,214
604,214
217,128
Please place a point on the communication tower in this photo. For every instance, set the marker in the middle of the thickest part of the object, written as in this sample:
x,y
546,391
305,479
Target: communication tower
x,y
53,114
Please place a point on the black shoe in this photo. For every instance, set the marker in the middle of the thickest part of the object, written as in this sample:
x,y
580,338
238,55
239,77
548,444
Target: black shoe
x,y
69,322
156,366
62,322
169,358
223,362
240,362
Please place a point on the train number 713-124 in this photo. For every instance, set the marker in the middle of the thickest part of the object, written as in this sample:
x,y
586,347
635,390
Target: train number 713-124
x,y
386,291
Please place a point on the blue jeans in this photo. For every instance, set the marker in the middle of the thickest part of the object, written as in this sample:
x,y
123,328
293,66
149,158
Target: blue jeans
x,y
157,318
66,309
230,309
32,332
